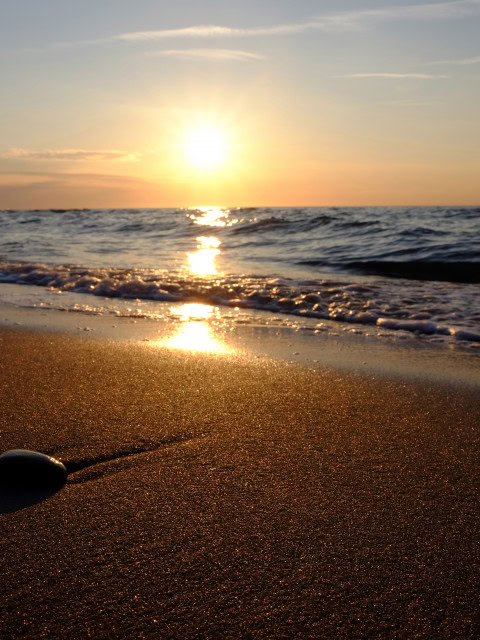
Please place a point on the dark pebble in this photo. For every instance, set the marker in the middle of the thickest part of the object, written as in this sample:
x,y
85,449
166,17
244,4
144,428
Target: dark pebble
x,y
31,469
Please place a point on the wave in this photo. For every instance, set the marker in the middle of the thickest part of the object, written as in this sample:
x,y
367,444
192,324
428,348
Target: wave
x,y
433,270
340,237
427,308
260,225
468,272
298,222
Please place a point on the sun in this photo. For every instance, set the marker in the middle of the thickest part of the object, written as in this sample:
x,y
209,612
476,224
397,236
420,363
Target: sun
x,y
206,148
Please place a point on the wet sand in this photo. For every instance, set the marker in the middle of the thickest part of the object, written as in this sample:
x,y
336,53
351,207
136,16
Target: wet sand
x,y
217,497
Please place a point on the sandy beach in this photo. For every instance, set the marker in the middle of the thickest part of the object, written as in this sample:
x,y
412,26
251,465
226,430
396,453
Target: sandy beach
x,y
214,497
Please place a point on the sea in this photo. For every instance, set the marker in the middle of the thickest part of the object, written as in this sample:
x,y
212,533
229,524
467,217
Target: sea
x,y
405,271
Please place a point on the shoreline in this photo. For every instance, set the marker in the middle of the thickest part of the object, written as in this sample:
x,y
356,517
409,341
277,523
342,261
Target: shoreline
x,y
235,496
392,355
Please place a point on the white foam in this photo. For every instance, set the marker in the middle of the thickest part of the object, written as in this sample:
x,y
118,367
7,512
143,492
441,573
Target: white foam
x,y
422,308
422,326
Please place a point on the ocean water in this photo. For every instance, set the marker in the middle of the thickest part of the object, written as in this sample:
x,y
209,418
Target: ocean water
x,y
397,269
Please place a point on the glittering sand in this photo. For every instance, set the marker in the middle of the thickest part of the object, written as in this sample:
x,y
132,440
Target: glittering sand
x,y
214,497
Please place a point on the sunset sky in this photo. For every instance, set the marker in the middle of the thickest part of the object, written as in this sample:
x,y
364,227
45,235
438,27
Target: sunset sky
x,y
260,102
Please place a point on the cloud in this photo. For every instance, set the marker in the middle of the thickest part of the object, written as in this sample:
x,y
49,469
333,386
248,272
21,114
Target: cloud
x,y
69,154
474,60
208,54
342,21
44,178
46,190
408,103
333,22
22,179
32,178
434,11
420,76
211,31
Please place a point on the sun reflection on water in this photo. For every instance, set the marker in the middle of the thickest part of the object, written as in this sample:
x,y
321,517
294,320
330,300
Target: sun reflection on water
x,y
202,262
192,311
195,333
211,217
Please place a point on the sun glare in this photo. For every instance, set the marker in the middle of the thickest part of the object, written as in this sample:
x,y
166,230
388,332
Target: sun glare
x,y
195,332
206,148
202,263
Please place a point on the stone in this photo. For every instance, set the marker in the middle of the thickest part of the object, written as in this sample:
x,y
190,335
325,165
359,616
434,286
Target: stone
x,y
24,468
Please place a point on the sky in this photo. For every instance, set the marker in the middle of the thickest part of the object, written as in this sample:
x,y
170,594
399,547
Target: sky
x,y
114,103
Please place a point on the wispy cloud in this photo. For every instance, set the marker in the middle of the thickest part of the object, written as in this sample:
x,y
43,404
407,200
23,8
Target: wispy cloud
x,y
44,190
433,11
419,76
208,54
408,103
69,154
212,31
342,21
332,22
464,61
22,179
30,178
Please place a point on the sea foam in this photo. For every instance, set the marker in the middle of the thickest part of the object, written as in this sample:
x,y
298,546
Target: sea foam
x,y
420,307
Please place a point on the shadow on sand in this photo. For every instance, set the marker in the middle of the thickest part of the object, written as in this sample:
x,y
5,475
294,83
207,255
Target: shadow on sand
x,y
18,498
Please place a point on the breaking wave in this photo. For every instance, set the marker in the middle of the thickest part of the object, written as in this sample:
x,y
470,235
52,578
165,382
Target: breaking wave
x,y
422,307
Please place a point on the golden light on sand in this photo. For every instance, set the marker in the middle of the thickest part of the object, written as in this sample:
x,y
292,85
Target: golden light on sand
x,y
202,262
206,147
195,334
